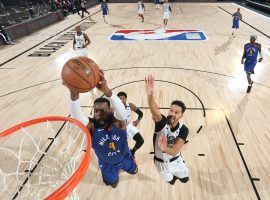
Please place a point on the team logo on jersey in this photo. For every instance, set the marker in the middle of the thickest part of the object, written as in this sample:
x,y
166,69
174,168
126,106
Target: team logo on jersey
x,y
160,34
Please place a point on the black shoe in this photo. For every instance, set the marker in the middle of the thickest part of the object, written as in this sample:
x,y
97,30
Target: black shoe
x,y
184,180
249,87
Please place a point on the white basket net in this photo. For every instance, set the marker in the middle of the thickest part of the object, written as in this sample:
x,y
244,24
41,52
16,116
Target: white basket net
x,y
37,160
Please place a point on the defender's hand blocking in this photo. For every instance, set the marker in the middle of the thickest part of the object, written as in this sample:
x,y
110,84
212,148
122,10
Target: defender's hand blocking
x,y
162,142
149,84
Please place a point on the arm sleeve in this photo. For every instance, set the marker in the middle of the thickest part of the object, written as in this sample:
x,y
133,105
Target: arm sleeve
x,y
140,113
183,133
76,112
120,111
161,124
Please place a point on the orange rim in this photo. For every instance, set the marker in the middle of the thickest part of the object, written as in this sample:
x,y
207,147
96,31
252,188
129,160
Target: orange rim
x,y
63,191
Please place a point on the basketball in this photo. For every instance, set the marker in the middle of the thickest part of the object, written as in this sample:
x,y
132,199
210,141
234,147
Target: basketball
x,y
80,74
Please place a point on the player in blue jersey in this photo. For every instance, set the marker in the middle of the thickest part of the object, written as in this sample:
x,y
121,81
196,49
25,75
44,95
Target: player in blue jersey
x,y
249,58
108,132
236,17
105,10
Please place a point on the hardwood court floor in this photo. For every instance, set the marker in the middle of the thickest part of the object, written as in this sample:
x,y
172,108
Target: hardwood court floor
x,y
227,159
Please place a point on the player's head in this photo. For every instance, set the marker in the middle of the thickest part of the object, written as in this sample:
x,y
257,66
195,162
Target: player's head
x,y
176,111
253,38
101,109
78,29
123,97
238,9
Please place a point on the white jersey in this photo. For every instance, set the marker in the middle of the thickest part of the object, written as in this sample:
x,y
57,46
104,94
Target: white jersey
x,y
80,41
128,110
166,7
166,131
140,6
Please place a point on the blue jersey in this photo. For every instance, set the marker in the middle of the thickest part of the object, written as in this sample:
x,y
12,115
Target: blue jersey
x,y
237,16
251,52
111,145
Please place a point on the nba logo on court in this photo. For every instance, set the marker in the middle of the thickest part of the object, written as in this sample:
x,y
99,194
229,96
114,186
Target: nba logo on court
x,y
159,34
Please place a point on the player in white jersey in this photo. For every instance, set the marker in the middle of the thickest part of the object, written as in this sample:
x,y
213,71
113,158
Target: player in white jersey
x,y
169,137
132,131
141,9
166,12
80,42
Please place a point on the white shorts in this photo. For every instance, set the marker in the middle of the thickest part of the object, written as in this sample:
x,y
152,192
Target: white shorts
x,y
168,170
82,52
140,12
166,15
131,130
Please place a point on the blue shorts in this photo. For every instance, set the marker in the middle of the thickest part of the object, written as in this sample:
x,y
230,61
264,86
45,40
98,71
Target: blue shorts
x,y
156,1
249,67
110,173
104,12
235,24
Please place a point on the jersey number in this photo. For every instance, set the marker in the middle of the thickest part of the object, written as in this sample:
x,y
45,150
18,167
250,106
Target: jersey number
x,y
112,146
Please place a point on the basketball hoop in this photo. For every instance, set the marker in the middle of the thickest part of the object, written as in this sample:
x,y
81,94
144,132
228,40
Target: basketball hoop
x,y
57,163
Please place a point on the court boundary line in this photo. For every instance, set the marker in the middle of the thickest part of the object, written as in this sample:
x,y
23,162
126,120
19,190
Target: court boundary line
x,y
115,69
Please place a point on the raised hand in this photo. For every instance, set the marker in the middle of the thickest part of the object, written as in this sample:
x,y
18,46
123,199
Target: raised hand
x,y
74,95
102,85
149,84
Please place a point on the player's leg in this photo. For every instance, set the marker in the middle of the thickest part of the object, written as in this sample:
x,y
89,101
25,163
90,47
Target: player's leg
x,y
129,165
249,69
179,170
164,173
110,174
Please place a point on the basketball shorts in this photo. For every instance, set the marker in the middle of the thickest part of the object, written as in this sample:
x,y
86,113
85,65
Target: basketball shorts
x,y
156,1
104,12
140,12
131,130
249,66
168,170
110,173
82,52
166,15
235,24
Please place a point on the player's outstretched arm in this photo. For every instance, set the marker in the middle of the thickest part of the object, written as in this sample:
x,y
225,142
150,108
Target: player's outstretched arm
x,y
149,87
75,107
118,106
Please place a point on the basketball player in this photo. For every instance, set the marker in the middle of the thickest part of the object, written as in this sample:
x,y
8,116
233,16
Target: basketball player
x,y
83,8
132,131
105,10
236,17
169,137
166,12
80,42
141,9
249,58
108,132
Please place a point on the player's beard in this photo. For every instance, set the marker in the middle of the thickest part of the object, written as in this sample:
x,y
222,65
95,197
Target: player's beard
x,y
171,119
